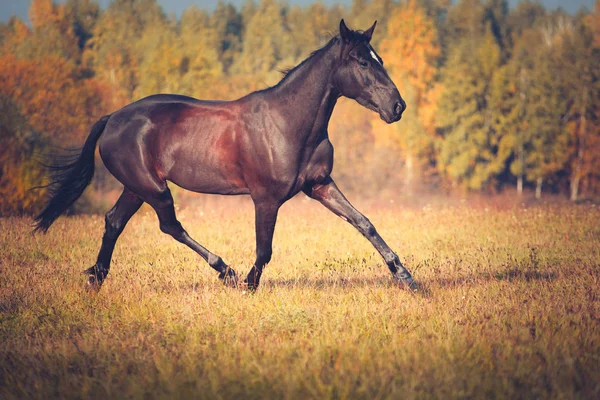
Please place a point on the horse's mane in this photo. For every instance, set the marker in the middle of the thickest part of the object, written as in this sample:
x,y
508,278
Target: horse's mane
x,y
356,37
288,71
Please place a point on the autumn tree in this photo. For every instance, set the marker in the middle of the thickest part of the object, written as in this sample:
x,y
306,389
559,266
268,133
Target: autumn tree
x,y
363,13
114,52
533,131
411,50
161,59
206,48
226,23
526,15
592,181
493,96
311,28
267,41
468,152
84,16
582,83
19,171
51,33
47,99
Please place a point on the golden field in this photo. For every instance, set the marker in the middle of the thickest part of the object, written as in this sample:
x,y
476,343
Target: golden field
x,y
509,306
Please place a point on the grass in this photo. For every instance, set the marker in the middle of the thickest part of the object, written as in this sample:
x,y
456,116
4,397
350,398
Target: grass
x,y
511,307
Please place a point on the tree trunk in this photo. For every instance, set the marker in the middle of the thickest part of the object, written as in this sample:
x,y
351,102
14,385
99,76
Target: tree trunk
x,y
520,133
538,188
409,175
576,177
581,143
574,188
521,158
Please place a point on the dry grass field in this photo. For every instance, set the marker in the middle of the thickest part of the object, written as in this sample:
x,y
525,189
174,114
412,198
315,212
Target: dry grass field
x,y
509,307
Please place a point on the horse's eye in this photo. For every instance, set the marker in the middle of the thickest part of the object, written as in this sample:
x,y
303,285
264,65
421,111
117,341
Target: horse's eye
x,y
363,63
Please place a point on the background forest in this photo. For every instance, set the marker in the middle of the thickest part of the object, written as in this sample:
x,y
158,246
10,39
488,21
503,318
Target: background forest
x,y
498,99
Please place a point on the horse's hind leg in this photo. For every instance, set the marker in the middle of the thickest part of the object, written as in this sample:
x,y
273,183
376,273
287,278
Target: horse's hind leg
x,y
115,222
163,205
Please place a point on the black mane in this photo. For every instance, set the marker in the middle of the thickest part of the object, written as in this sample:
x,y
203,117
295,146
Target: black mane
x,y
288,71
356,38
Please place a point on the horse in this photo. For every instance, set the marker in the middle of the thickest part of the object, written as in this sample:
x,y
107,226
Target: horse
x,y
270,144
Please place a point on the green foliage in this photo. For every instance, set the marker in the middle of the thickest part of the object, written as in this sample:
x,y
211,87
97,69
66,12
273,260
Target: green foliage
x,y
534,127
115,51
468,153
226,23
267,41
206,49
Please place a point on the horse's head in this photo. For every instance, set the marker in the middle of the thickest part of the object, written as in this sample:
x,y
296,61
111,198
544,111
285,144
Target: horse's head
x,y
361,75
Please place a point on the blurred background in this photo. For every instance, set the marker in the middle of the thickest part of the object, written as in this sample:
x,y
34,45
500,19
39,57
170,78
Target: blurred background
x,y
503,96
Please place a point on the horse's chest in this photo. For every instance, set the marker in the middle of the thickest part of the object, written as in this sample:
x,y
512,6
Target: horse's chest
x,y
320,163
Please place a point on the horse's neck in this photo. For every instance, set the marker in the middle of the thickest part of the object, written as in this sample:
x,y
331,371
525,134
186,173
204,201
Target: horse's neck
x,y
307,93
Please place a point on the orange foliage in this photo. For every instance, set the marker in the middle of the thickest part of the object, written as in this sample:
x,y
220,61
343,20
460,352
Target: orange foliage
x,y
410,50
56,87
42,102
52,99
42,12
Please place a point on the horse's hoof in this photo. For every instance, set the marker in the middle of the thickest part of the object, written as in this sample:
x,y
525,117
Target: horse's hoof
x,y
229,278
93,283
251,287
252,280
407,282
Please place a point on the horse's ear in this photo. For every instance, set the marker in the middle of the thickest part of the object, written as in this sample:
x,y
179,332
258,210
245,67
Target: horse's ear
x,y
344,31
369,32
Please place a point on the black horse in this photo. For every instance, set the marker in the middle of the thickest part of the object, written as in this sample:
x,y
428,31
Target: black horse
x,y
270,144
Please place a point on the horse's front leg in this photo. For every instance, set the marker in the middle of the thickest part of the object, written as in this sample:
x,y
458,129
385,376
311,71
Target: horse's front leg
x,y
265,216
328,194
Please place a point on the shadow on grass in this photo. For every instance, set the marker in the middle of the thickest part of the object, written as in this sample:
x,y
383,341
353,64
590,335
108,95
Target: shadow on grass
x,y
425,286
527,275
332,282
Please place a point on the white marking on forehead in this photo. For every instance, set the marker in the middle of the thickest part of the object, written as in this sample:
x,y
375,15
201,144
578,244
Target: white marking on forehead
x,y
374,55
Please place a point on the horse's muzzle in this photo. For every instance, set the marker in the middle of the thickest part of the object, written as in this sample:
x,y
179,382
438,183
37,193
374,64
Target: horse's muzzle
x,y
399,108
395,112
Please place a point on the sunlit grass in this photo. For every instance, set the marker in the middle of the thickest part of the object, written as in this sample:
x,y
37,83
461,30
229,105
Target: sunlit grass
x,y
510,307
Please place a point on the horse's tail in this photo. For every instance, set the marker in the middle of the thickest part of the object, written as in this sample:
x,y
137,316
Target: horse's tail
x,y
69,179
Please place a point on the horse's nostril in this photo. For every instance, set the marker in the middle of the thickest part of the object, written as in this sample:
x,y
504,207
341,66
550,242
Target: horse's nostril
x,y
397,108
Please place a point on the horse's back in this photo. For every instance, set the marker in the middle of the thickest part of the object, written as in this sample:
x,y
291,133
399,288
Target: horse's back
x,y
178,138
162,118
154,108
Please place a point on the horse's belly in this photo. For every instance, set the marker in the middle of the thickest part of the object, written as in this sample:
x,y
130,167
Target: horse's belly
x,y
203,170
203,180
203,159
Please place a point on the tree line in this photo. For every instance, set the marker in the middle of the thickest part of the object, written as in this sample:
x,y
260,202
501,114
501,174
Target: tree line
x,y
497,97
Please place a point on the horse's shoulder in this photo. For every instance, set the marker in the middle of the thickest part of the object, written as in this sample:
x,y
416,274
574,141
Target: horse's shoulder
x,y
320,163
323,151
